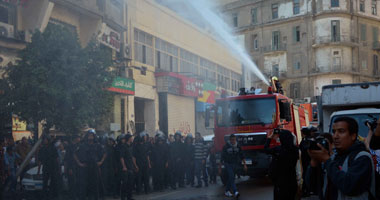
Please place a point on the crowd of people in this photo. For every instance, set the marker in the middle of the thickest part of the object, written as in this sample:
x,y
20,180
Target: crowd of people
x,y
97,167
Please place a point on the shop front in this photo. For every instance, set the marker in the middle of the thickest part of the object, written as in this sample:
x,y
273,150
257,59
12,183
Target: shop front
x,y
177,99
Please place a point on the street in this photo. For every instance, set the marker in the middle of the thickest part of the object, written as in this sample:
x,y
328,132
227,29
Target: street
x,y
248,188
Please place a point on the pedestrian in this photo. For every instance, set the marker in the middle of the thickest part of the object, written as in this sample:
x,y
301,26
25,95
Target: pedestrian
x,y
10,165
22,150
283,166
200,155
213,165
71,167
231,158
305,158
160,161
189,160
141,153
177,154
348,173
90,157
129,167
48,160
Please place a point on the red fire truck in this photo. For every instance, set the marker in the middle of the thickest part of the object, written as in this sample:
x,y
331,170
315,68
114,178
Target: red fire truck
x,y
251,117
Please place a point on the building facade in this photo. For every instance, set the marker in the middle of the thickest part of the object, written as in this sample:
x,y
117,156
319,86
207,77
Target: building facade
x,y
178,68
310,43
102,20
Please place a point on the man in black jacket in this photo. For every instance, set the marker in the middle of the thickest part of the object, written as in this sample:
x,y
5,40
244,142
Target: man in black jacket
x,y
177,154
232,156
350,172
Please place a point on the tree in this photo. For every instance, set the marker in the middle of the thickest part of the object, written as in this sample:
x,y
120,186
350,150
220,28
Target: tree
x,y
58,82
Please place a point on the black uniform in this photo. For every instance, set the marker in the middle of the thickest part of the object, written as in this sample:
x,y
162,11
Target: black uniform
x,y
141,153
72,170
126,153
283,168
89,176
159,159
177,154
109,170
48,155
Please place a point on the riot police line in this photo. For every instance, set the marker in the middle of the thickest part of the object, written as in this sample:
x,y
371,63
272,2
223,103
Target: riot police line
x,y
99,167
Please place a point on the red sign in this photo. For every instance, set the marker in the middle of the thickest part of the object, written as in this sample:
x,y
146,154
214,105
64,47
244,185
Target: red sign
x,y
187,86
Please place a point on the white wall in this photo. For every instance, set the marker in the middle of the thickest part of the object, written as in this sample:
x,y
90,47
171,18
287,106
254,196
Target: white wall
x,y
322,27
323,80
270,60
324,57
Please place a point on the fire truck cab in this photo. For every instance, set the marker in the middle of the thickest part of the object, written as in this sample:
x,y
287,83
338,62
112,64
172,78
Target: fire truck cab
x,y
251,117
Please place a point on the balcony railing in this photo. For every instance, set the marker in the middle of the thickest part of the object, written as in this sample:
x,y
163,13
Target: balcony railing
x,y
273,48
334,68
337,39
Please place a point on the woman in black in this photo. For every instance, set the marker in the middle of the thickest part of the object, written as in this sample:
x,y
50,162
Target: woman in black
x,y
283,167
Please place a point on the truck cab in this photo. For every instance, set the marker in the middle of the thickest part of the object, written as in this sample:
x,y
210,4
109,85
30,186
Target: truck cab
x,y
251,117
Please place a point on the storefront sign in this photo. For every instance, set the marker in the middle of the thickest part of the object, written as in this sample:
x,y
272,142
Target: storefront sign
x,y
185,86
110,38
17,124
123,85
208,93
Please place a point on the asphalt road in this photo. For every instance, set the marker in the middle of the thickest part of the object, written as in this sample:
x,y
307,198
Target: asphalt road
x,y
249,189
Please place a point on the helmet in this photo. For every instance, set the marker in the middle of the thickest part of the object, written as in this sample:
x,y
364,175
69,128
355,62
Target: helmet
x,y
190,136
143,134
178,133
159,133
274,78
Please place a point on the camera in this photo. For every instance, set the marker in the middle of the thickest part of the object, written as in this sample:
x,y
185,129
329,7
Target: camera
x,y
311,143
371,122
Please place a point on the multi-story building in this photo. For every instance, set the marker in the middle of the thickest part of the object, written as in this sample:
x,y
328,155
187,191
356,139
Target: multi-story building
x,y
310,43
102,19
177,67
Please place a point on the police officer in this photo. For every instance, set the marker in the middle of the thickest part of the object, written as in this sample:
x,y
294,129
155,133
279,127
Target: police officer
x,y
71,168
189,160
48,158
141,153
89,157
121,142
160,158
177,153
129,167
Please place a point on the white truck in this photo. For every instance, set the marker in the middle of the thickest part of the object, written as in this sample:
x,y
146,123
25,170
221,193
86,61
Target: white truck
x,y
360,101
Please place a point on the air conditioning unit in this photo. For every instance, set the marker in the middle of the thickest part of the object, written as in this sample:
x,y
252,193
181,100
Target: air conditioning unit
x,y
307,99
6,30
127,51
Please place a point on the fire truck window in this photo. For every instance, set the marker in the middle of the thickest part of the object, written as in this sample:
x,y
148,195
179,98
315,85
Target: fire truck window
x,y
246,112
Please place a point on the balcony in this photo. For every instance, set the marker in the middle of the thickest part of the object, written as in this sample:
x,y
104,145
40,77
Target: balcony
x,y
274,48
376,46
334,69
345,40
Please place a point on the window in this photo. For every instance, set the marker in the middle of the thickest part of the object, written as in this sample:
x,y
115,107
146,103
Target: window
x,y
297,62
364,64
375,65
4,14
374,7
274,11
295,89
334,3
335,31
375,33
254,43
296,7
296,34
235,20
189,62
254,15
363,32
275,70
275,40
362,6
166,55
336,81
143,47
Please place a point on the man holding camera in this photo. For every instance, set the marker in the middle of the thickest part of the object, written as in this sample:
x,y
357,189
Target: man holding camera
x,y
350,172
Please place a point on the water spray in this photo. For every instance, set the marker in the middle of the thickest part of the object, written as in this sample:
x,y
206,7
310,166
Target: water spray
x,y
207,11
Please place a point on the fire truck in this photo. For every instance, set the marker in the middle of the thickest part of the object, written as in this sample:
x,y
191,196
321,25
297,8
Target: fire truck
x,y
251,117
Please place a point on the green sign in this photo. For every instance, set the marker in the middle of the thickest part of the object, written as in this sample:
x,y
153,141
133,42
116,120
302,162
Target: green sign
x,y
209,86
123,85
